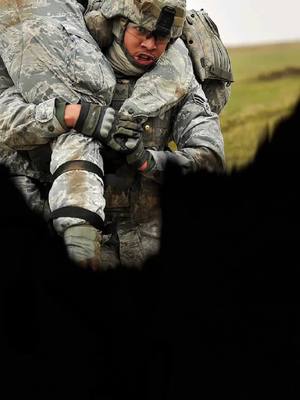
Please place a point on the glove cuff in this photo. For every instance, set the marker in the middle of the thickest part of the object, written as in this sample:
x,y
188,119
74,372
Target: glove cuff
x,y
85,107
60,113
142,160
90,119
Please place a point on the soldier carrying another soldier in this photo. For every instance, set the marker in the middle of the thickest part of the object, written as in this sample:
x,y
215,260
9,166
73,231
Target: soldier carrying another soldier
x,y
126,125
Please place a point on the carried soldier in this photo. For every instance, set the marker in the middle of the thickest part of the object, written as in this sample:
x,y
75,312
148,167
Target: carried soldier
x,y
107,121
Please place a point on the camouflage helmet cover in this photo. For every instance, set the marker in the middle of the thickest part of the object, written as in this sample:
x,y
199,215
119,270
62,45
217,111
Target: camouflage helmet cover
x,y
146,12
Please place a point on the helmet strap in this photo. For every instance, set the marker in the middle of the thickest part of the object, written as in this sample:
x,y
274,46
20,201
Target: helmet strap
x,y
165,22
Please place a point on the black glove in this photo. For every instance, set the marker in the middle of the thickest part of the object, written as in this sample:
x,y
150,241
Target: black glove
x,y
129,135
140,158
96,121
119,132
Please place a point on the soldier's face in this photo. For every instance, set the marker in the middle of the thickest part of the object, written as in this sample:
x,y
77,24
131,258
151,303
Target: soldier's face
x,y
142,46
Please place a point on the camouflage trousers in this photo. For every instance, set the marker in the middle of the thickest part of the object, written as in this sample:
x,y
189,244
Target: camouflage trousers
x,y
57,64
32,194
130,245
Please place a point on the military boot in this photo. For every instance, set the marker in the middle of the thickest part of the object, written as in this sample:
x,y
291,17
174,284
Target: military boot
x,y
83,244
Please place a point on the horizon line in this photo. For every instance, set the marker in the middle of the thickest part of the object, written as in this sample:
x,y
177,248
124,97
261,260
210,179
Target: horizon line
x,y
261,43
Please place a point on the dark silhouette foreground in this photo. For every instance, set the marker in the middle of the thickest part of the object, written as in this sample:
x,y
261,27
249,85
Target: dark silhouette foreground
x,y
217,313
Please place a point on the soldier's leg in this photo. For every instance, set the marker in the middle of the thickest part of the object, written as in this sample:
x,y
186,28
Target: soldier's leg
x,y
58,64
110,251
76,197
31,191
138,242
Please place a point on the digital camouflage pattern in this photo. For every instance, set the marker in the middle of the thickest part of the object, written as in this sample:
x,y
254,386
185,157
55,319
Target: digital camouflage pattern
x,y
23,128
79,187
207,50
101,17
47,50
164,86
211,62
210,58
174,109
145,12
132,199
49,54
172,78
178,113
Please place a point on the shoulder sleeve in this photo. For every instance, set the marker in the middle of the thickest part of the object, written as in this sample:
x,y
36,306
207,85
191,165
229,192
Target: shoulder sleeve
x,y
25,126
197,136
196,125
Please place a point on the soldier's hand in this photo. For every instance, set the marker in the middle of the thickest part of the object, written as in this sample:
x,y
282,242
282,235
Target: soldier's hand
x,y
129,136
96,121
126,134
140,157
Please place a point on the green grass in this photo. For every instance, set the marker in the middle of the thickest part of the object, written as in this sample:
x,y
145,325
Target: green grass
x,y
255,103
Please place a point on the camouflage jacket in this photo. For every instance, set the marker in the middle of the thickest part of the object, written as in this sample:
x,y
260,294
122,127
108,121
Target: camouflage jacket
x,y
25,126
188,134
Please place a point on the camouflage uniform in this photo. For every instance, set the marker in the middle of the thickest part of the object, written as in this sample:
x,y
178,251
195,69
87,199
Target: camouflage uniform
x,y
47,55
174,110
132,198
211,62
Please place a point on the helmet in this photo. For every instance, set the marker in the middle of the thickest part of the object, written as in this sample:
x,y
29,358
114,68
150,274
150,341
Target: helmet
x,y
164,17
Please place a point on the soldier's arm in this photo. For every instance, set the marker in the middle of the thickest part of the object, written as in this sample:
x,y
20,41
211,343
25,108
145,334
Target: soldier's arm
x,y
25,126
197,135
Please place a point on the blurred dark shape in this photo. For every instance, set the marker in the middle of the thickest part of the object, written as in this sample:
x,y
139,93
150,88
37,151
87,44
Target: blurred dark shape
x,y
280,74
216,313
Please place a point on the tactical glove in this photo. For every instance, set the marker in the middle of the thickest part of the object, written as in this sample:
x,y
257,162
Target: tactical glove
x,y
96,121
129,134
141,158
126,134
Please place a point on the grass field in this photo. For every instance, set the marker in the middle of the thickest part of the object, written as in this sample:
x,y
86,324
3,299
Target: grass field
x,y
266,87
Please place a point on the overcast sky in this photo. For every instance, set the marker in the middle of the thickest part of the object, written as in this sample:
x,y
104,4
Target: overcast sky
x,y
253,21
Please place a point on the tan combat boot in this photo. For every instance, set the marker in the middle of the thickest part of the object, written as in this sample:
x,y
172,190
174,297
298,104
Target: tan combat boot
x,y
83,244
